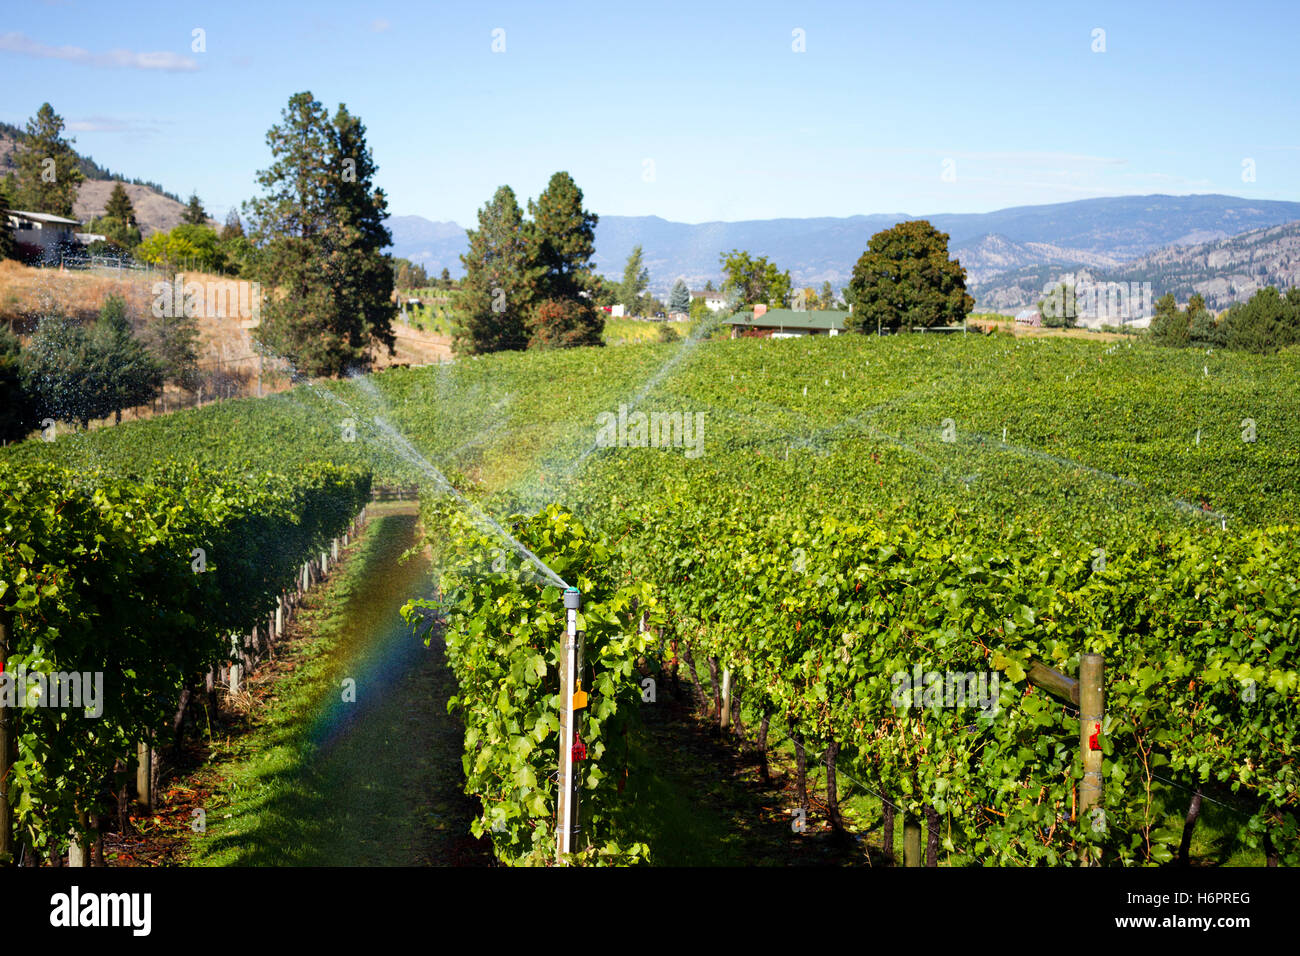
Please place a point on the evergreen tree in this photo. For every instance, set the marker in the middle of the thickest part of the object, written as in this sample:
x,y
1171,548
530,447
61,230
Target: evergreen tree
x,y
497,296
1169,326
194,214
119,205
123,373
8,246
562,240
828,295
47,175
174,341
56,367
906,279
17,415
680,298
234,228
319,229
445,279
635,279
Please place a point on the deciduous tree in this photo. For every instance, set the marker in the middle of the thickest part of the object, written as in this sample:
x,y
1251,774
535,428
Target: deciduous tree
x,y
905,278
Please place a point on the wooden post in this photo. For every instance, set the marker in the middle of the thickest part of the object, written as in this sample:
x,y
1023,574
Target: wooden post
x,y
334,549
234,668
1092,711
77,850
144,776
7,738
726,698
911,841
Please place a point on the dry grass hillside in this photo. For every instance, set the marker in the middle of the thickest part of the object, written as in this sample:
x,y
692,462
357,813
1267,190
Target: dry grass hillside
x,y
229,363
154,212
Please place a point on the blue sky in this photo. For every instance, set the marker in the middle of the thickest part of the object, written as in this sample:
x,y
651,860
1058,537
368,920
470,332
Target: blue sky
x,y
689,111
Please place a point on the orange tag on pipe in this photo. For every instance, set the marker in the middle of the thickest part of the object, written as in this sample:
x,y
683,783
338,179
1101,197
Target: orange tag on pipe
x,y
579,697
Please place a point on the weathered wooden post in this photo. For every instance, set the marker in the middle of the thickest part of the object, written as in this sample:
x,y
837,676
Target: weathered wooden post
x,y
911,840
144,776
1092,711
726,698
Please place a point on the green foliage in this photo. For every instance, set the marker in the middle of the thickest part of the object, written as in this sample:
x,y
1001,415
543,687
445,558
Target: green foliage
x,y
561,240
1060,309
754,280
17,415
1267,322
194,214
97,575
905,280
565,323
680,298
319,232
635,279
46,176
409,275
668,334
497,294
119,206
503,625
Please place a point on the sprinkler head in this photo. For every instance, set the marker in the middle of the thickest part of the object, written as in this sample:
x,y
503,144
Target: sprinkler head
x,y
572,599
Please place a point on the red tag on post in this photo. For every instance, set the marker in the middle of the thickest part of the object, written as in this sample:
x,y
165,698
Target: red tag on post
x,y
1092,741
579,751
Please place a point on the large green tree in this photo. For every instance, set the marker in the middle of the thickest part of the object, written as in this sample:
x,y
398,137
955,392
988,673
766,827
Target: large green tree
x,y
562,240
497,293
905,279
118,222
565,323
319,231
753,280
47,176
679,300
123,372
635,279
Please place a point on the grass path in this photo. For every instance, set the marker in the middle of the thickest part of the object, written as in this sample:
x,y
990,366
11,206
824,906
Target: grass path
x,y
322,781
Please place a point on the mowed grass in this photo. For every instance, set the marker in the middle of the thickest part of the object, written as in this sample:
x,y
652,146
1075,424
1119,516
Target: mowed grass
x,y
322,781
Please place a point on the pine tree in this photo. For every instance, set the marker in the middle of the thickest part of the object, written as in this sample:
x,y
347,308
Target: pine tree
x,y
47,175
680,298
497,293
8,247
319,229
233,229
827,299
635,279
445,279
562,239
123,373
194,214
119,205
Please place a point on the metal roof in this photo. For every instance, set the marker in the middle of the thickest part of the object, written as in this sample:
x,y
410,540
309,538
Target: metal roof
x,y
790,319
43,217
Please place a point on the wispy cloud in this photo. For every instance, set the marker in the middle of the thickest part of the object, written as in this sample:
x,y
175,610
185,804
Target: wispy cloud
x,y
120,59
113,124
379,26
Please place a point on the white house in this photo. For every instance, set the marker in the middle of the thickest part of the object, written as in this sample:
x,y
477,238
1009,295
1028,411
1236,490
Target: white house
x,y
41,229
713,300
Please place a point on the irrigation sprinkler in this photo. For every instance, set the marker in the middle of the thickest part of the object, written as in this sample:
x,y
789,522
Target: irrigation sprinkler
x,y
572,699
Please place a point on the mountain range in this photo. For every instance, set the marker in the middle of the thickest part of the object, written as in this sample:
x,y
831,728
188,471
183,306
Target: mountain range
x,y
1101,234
1221,246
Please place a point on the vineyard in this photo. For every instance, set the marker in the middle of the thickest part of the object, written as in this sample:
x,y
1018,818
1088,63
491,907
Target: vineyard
x,y
862,514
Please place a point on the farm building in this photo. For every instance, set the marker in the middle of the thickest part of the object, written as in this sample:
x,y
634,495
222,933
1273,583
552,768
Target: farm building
x,y
40,231
714,301
1029,317
787,323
